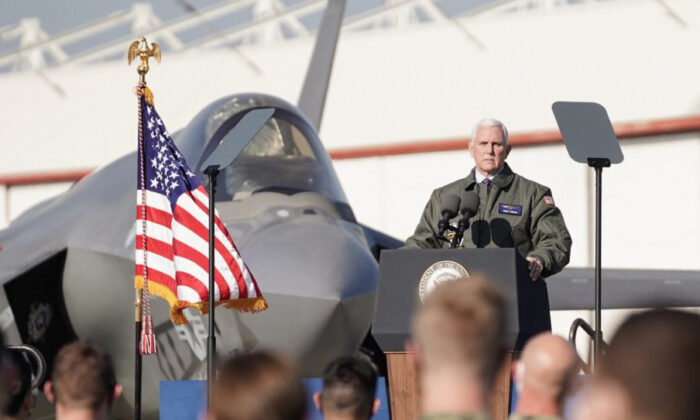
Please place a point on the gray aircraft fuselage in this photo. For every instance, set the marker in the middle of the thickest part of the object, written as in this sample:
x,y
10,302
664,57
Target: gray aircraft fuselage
x,y
67,264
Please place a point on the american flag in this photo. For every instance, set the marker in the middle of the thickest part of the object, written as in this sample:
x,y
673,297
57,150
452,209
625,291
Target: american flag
x,y
172,231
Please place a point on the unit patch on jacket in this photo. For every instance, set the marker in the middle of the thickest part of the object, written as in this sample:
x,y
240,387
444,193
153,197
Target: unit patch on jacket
x,y
549,201
510,209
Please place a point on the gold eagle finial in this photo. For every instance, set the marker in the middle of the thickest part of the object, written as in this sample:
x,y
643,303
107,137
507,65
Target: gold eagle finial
x,y
139,48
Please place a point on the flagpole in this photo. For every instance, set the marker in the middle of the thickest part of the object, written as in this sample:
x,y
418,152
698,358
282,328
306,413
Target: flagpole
x,y
140,49
212,172
137,356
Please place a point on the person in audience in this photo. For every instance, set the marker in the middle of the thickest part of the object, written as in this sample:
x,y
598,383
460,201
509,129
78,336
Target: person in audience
x,y
543,376
349,388
457,342
655,357
6,374
651,370
82,384
258,386
19,386
604,400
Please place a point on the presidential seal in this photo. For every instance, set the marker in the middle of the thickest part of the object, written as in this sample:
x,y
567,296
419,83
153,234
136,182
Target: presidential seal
x,y
437,273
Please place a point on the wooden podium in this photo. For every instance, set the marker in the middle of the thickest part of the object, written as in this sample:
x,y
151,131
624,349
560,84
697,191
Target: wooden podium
x,y
400,272
404,387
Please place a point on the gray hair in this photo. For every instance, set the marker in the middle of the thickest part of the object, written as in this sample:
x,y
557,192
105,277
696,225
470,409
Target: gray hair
x,y
491,122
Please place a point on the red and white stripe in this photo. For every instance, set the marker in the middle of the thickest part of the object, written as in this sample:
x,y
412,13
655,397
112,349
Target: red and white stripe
x,y
177,249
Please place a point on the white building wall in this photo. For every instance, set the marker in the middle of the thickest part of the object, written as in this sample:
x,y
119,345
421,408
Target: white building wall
x,y
22,197
4,203
652,206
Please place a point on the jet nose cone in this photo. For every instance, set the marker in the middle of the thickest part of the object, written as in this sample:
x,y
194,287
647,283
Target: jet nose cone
x,y
319,279
321,260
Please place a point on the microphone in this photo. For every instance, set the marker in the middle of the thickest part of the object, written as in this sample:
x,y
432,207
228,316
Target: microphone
x,y
449,209
469,207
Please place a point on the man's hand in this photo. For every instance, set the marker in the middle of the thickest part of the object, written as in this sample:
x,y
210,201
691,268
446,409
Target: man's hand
x,y
535,266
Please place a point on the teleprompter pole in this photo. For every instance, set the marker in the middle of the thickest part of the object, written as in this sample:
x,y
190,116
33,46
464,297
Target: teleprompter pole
x,y
212,172
598,165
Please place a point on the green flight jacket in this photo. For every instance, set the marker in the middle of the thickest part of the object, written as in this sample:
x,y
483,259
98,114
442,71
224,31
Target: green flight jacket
x,y
514,212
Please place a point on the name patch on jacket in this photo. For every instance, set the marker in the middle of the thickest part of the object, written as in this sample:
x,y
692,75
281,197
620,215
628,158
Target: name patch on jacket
x,y
510,209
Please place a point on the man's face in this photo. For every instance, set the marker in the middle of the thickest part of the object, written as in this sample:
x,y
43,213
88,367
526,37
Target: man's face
x,y
489,150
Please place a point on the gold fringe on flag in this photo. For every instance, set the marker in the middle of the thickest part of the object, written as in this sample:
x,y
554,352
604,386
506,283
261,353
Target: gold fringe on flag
x,y
147,94
249,305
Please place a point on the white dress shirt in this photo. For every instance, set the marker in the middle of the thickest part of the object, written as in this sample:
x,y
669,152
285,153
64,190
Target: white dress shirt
x,y
479,177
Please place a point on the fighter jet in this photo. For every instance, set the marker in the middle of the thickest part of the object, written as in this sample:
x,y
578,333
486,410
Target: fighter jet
x,y
67,264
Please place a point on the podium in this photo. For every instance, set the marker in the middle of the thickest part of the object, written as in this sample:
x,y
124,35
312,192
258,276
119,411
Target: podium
x,y
404,275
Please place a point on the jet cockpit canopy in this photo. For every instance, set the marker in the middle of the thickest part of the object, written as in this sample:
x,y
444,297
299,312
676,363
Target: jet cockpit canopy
x,y
286,156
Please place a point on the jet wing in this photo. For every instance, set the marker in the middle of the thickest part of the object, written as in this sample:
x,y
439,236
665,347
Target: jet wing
x,y
82,217
573,289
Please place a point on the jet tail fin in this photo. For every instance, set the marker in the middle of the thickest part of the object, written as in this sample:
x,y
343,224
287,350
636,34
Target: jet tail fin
x,y
313,94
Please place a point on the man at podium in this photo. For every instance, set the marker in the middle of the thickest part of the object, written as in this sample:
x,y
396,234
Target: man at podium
x,y
513,212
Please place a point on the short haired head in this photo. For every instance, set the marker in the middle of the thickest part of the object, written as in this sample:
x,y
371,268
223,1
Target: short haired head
x,y
491,122
604,400
82,378
547,367
258,386
489,146
461,328
349,388
655,358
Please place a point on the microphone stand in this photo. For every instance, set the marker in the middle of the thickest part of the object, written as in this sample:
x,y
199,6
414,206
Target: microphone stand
x,y
444,226
442,235
462,226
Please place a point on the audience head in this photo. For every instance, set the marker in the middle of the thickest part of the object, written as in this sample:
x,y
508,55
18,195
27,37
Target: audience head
x,y
459,330
654,358
349,388
19,387
604,400
544,373
82,380
258,386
